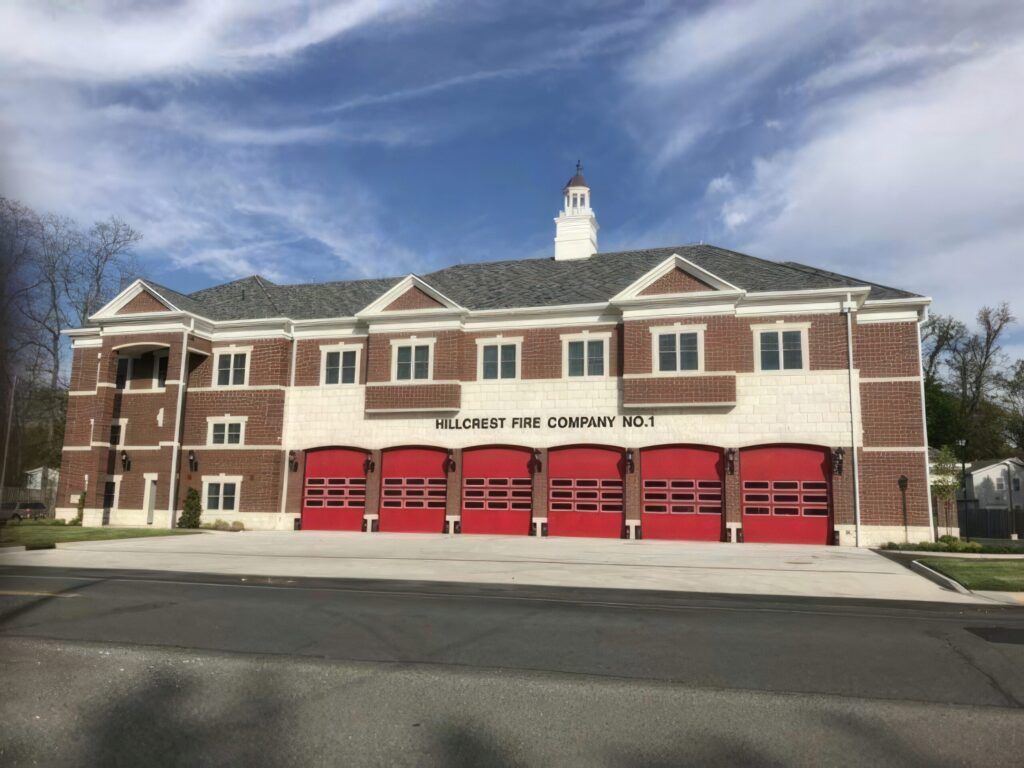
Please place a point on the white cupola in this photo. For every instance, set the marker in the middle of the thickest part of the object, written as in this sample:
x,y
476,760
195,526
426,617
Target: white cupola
x,y
576,225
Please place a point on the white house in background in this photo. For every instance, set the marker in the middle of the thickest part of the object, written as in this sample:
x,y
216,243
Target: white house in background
x,y
34,478
996,483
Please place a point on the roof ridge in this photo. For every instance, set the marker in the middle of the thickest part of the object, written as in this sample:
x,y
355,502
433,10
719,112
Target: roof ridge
x,y
260,282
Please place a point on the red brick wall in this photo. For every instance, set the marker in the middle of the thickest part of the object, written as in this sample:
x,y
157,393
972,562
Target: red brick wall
x,y
144,302
891,413
676,281
679,389
886,349
413,396
83,369
132,491
269,364
446,362
879,490
261,473
308,359
414,298
264,407
729,341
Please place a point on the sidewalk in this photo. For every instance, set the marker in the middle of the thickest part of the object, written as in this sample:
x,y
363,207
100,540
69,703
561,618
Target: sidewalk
x,y
757,569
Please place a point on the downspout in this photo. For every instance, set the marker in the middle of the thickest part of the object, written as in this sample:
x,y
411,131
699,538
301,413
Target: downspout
x,y
924,428
284,420
178,425
848,311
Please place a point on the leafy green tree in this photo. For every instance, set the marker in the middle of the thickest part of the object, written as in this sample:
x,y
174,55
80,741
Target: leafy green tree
x,y
191,511
946,483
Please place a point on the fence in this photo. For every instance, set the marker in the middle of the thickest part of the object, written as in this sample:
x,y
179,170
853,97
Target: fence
x,y
988,522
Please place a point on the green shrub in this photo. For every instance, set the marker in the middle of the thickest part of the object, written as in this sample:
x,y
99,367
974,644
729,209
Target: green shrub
x,y
191,510
948,544
237,525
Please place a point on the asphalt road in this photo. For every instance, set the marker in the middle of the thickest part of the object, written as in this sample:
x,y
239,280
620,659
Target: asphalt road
x,y
122,668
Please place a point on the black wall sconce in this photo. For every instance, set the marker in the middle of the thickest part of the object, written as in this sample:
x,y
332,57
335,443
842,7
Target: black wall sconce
x,y
449,464
838,455
369,465
125,463
293,461
730,460
193,462
535,464
630,466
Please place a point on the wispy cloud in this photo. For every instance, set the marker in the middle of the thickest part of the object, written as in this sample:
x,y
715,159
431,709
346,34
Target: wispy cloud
x,y
114,41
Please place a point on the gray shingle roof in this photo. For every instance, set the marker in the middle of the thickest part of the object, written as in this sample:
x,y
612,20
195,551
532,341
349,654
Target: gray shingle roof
x,y
510,284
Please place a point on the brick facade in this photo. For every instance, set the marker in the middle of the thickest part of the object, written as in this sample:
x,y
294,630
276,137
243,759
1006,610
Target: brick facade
x,y
676,281
289,410
144,302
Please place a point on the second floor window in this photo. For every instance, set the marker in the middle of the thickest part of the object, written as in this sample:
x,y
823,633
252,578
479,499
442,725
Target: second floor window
x,y
412,362
499,361
231,369
586,358
678,352
340,367
781,350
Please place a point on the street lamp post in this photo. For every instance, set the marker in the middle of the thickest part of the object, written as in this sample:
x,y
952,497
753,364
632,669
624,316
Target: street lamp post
x,y
961,444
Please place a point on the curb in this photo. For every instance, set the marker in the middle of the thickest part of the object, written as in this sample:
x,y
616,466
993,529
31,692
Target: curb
x,y
943,581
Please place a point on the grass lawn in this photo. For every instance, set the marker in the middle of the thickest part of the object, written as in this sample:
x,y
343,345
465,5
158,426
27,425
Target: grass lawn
x,y
998,575
27,532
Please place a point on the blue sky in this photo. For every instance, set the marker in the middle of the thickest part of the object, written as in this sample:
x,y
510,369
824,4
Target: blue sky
x,y
332,140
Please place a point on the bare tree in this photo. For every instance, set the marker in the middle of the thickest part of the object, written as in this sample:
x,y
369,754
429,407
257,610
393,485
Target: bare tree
x,y
974,363
104,261
941,336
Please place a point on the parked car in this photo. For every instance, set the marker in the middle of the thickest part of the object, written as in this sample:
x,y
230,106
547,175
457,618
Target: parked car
x,y
16,511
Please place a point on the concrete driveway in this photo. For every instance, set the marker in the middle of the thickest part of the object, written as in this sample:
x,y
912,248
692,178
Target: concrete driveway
x,y
751,569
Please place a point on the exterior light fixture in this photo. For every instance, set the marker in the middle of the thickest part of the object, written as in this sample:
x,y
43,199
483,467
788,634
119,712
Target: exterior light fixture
x,y
449,464
193,463
903,482
838,455
535,464
368,465
630,466
124,460
293,461
730,460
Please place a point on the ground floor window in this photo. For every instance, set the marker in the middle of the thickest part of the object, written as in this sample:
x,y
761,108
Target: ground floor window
x,y
221,494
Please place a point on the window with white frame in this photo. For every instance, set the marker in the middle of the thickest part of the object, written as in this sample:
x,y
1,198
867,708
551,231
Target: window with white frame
x,y
221,493
782,349
232,368
585,355
678,348
118,427
226,430
340,365
1000,484
499,358
412,361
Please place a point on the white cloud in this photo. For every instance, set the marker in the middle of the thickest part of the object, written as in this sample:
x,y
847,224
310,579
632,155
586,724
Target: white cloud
x,y
721,185
922,186
109,40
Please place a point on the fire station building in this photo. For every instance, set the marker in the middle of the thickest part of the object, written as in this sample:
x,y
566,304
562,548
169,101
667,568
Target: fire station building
x,y
689,392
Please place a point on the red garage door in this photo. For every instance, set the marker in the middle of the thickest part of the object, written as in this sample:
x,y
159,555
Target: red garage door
x,y
585,493
497,491
785,494
334,490
413,493
681,493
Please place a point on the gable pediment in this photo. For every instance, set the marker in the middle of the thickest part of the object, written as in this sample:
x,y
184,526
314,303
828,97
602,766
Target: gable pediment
x,y
414,298
676,281
144,301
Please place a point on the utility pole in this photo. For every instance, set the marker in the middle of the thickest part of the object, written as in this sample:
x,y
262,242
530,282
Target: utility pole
x,y
7,438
